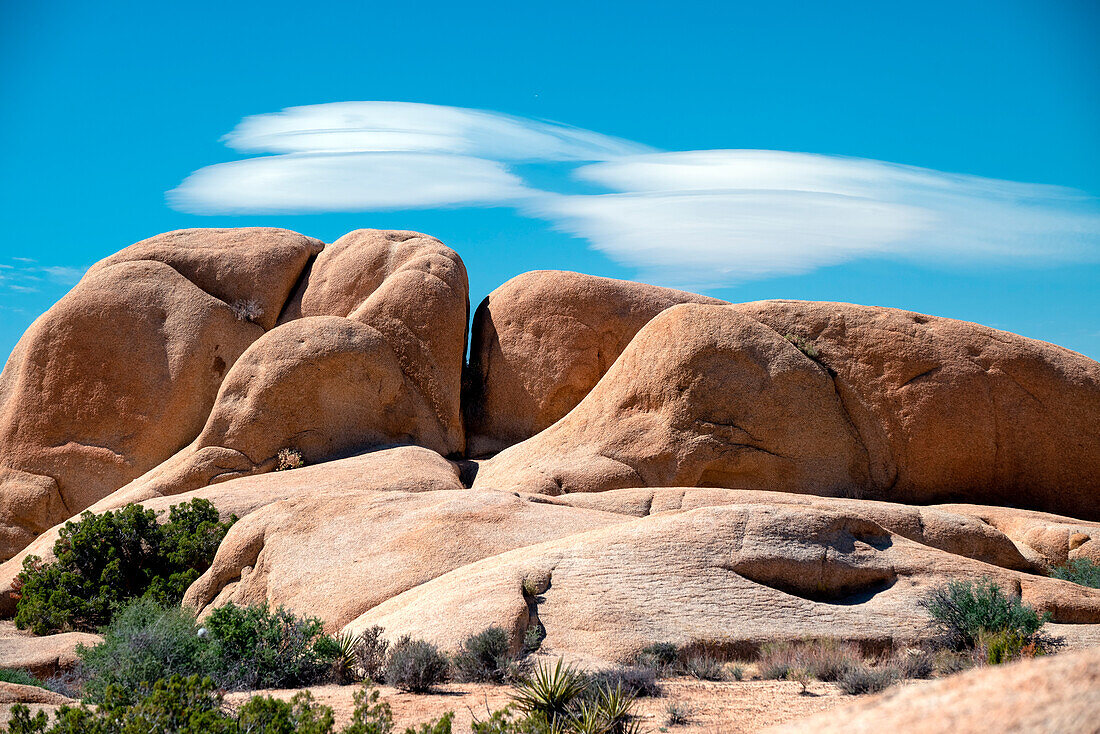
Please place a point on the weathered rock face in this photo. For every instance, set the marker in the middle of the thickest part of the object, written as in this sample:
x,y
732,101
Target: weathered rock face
x,y
541,342
414,290
253,269
388,372
399,469
1047,695
737,574
42,657
890,405
336,555
115,378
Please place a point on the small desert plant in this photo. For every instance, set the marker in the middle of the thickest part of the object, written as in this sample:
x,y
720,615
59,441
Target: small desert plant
x,y
660,656
19,677
914,663
824,659
341,648
949,662
249,310
703,666
737,672
103,561
370,654
485,658
289,458
300,715
801,675
415,665
533,637
963,610
677,714
548,694
636,680
1083,571
859,679
803,345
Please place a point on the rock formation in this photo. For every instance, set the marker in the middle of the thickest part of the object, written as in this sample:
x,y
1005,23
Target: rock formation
x,y
541,341
829,399
1047,695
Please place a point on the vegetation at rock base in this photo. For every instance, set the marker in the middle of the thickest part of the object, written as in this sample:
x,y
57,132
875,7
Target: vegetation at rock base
x,y
803,345
821,659
486,657
415,666
19,677
963,611
289,458
103,561
193,706
1083,571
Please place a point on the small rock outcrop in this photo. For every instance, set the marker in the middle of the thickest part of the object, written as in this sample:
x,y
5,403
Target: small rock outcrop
x,y
541,341
829,399
1046,695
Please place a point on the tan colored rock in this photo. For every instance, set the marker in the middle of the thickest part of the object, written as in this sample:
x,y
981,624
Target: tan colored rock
x,y
399,469
387,373
1050,539
895,406
414,290
740,575
14,693
116,377
959,531
335,555
42,657
253,269
541,342
1056,694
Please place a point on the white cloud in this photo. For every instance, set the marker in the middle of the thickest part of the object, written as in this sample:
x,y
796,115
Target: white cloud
x,y
345,182
409,127
711,218
703,218
27,276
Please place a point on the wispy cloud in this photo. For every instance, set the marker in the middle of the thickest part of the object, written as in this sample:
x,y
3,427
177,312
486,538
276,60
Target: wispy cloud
x,y
706,218
25,275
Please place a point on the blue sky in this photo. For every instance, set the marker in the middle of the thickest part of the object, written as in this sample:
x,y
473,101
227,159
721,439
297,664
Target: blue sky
x,y
942,157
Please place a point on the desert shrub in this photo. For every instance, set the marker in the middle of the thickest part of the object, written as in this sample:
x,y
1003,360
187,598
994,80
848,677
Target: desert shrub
x,y
1083,571
703,666
862,678
370,654
255,647
963,610
949,662
660,656
415,665
677,714
19,677
803,345
249,310
103,561
300,715
914,663
486,658
143,644
289,458
737,672
823,659
636,680
533,637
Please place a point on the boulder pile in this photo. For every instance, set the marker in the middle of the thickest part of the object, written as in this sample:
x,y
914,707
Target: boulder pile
x,y
614,465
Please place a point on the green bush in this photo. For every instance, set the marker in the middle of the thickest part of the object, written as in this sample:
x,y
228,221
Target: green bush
x,y
255,647
145,643
415,666
486,658
1083,571
300,715
860,679
103,561
660,656
963,610
20,677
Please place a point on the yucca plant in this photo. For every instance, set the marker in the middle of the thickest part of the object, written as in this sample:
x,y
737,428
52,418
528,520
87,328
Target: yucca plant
x,y
344,662
548,693
613,706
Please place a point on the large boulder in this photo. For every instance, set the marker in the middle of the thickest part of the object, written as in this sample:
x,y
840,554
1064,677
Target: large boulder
x,y
829,399
735,575
398,469
42,657
387,372
1056,694
122,372
334,555
540,343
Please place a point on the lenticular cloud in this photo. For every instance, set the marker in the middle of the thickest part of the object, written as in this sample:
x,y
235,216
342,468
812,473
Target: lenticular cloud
x,y
704,218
